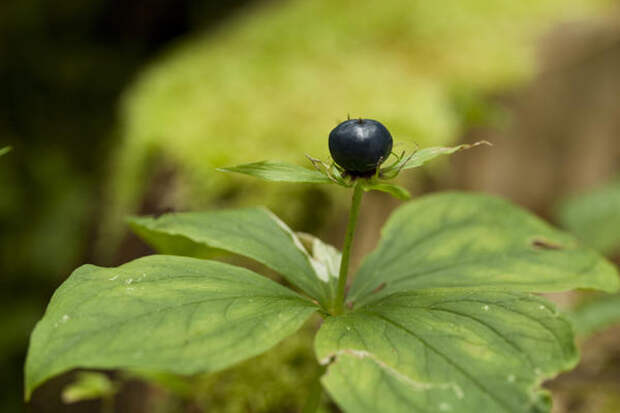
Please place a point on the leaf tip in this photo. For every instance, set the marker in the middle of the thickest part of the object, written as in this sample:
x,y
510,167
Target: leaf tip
x,y
28,385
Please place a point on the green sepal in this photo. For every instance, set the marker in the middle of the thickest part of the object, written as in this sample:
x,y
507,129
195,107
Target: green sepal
x,y
279,172
396,191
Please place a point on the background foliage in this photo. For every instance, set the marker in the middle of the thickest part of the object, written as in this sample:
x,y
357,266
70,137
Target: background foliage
x,y
271,79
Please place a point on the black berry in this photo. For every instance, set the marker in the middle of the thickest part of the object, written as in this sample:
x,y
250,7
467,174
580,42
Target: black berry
x,y
359,146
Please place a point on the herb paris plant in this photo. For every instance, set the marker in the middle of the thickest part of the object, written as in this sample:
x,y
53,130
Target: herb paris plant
x,y
440,317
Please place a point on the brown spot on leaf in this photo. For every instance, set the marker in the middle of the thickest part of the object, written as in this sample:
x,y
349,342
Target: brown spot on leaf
x,y
544,244
379,288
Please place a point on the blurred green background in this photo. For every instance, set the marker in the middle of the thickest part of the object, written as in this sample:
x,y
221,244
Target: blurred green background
x,y
121,107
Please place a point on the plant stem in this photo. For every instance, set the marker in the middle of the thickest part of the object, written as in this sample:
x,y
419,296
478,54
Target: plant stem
x,y
346,249
314,398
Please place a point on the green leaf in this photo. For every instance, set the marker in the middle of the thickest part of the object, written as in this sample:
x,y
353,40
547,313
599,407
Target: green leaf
x,y
163,313
5,150
279,172
445,350
472,240
88,386
251,232
596,314
594,217
422,156
395,190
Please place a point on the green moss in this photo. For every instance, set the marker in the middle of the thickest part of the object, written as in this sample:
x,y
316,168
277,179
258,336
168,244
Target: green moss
x,y
276,381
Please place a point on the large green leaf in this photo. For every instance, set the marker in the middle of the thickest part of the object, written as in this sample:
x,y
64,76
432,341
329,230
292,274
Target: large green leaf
x,y
252,232
176,314
596,314
279,172
594,217
473,240
445,350
5,150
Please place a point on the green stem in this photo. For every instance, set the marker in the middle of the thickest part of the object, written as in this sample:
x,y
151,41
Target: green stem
x,y
346,249
314,398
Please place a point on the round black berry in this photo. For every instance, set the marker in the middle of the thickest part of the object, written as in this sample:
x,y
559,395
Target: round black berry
x,y
359,146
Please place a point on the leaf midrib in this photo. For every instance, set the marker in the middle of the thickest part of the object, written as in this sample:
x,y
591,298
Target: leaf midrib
x,y
172,308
